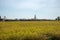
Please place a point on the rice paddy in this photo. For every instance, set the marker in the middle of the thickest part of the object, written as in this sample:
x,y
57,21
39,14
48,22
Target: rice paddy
x,y
30,30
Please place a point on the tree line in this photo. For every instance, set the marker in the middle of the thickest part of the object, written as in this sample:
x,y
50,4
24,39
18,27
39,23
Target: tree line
x,y
34,19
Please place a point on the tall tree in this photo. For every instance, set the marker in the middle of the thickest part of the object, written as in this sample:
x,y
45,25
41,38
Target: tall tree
x,y
58,18
0,17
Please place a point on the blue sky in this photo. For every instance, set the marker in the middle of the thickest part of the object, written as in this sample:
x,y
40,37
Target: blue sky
x,y
44,9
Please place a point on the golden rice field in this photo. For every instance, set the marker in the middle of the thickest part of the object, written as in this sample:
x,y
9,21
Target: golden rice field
x,y
30,30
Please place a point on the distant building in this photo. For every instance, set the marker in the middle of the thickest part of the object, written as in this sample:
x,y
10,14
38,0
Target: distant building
x,y
4,18
34,17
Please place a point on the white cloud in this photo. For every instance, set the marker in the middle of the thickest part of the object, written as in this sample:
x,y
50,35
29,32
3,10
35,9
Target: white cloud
x,y
22,4
27,5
